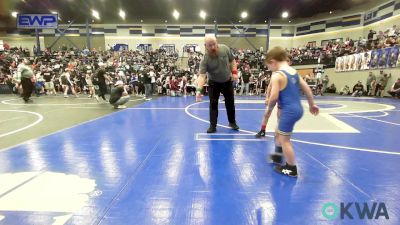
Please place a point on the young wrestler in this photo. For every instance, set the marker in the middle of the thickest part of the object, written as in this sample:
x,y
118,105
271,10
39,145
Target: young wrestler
x,y
285,90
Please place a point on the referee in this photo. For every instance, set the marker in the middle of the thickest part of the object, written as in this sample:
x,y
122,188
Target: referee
x,y
220,65
25,74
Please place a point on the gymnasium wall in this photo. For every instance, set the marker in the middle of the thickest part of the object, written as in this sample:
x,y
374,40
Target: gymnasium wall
x,y
354,33
380,17
21,41
80,42
350,23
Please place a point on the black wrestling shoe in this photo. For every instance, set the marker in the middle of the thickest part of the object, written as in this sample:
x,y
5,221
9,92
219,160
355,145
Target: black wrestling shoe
x,y
211,129
276,158
287,170
234,126
260,134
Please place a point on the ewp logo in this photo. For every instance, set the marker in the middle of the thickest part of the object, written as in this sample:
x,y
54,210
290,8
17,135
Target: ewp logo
x,y
331,211
37,21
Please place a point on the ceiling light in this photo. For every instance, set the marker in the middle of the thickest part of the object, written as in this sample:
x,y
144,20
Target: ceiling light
x,y
290,21
176,14
141,21
166,21
285,14
14,14
122,14
95,14
203,14
244,15
330,12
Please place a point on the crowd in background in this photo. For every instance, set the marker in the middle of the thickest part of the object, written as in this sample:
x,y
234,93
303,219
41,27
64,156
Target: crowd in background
x,y
70,71
75,72
338,47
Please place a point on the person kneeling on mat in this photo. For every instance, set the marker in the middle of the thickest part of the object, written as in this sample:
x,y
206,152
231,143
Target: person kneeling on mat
x,y
119,96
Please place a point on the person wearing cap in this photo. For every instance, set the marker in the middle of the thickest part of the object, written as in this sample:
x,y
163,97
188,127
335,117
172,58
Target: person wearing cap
x,y
358,89
119,96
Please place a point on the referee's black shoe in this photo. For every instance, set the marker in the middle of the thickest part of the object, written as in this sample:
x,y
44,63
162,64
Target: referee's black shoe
x,y
211,129
234,126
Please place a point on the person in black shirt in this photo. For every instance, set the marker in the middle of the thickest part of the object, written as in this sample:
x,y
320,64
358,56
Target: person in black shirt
x,y
395,90
370,38
49,84
119,95
147,85
101,82
245,81
358,89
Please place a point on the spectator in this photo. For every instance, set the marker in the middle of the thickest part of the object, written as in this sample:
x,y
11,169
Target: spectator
x,y
358,89
119,96
174,85
395,89
153,78
345,90
245,81
101,78
147,85
325,82
49,81
331,89
371,78
384,83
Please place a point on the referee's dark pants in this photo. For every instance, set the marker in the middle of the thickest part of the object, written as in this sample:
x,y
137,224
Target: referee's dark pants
x,y
214,90
27,87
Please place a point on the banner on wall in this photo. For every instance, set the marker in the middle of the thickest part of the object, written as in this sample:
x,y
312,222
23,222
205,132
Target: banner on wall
x,y
394,56
121,47
345,63
377,59
337,64
169,48
375,55
366,60
1,45
144,47
384,57
190,48
359,58
352,62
